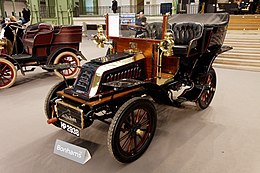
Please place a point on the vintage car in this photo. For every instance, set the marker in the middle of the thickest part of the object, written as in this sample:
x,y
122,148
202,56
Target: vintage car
x,y
120,88
38,45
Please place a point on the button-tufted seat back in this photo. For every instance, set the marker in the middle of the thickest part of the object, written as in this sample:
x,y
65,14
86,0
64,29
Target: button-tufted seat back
x,y
185,32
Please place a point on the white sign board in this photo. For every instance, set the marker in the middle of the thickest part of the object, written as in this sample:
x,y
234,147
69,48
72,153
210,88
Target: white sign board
x,y
72,152
113,25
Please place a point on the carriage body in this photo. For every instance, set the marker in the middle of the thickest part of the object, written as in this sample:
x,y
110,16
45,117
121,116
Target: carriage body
x,y
118,88
38,45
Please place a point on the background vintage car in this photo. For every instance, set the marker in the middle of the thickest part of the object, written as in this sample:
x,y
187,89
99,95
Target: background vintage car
x,y
38,45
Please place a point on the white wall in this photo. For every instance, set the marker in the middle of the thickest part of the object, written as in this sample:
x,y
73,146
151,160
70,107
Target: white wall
x,y
9,7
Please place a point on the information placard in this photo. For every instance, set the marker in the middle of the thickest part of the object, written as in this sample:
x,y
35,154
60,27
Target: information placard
x,y
113,23
71,152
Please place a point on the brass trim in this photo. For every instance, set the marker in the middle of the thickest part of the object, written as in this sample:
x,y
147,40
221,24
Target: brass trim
x,y
100,70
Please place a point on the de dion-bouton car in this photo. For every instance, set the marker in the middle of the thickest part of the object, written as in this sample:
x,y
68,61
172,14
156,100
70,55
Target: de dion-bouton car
x,y
169,66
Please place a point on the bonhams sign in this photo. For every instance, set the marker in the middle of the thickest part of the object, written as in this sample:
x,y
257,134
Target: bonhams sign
x,y
72,152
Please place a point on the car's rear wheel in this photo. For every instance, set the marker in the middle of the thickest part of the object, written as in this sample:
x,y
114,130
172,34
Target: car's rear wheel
x,y
69,58
52,96
132,129
208,92
8,73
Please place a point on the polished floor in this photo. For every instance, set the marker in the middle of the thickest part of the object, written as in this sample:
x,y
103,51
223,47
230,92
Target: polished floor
x,y
225,138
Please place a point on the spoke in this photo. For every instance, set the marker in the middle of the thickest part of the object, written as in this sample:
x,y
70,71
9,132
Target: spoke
x,y
132,115
124,129
209,79
130,145
203,97
135,143
144,122
127,122
125,136
4,68
2,80
125,143
142,117
70,70
137,116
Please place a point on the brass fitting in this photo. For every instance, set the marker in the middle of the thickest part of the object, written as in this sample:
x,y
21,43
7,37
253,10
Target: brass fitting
x,y
100,39
167,44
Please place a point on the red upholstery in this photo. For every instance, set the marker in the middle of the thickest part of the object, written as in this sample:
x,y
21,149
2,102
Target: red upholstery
x,y
67,34
41,34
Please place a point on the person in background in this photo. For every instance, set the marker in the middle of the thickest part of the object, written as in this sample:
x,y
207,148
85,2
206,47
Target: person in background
x,y
114,6
140,21
26,15
3,22
203,4
12,19
254,6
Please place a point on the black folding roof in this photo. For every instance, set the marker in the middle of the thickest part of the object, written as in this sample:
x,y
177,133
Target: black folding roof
x,y
208,19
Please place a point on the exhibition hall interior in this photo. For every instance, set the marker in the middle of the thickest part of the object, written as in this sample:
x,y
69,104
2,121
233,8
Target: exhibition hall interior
x,y
130,86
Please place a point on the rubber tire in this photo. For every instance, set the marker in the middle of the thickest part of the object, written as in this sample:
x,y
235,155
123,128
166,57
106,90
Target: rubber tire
x,y
199,103
14,71
61,55
51,95
124,110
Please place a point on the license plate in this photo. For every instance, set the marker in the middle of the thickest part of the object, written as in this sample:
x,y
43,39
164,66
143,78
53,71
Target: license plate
x,y
73,130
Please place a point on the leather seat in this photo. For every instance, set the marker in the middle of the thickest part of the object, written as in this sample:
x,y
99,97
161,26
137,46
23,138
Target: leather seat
x,y
39,34
186,36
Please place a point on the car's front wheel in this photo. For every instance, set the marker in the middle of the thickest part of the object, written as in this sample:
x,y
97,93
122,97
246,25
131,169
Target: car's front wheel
x,y
132,129
52,96
8,73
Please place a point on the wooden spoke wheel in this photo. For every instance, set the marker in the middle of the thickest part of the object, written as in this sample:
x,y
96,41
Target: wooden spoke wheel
x,y
8,73
209,90
132,129
67,58
52,96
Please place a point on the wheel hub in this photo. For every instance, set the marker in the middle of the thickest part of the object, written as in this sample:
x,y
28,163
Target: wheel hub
x,y
136,130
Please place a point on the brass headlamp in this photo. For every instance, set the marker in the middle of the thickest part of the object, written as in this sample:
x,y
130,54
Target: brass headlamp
x,y
99,39
167,44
